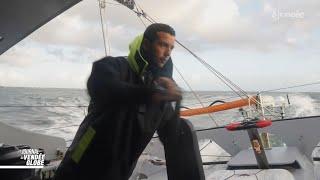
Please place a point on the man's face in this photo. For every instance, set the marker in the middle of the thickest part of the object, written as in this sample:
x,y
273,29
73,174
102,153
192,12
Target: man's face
x,y
162,48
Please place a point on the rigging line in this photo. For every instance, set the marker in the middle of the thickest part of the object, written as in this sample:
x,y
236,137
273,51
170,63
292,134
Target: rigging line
x,y
139,8
151,18
101,6
213,70
217,73
107,31
223,78
206,65
201,60
265,91
139,13
144,14
206,145
147,17
194,93
307,84
142,21
289,87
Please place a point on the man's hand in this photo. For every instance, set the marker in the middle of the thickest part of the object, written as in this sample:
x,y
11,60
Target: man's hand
x,y
172,93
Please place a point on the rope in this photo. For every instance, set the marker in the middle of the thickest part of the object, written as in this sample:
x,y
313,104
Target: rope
x,y
107,32
223,78
265,91
139,14
102,6
142,21
194,93
206,145
291,87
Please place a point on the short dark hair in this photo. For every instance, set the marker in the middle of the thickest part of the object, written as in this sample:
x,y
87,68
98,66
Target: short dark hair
x,y
151,32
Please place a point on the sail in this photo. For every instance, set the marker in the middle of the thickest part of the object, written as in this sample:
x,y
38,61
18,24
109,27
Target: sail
x,y
19,18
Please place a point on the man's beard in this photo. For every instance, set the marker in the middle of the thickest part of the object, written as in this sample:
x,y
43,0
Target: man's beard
x,y
154,66
165,61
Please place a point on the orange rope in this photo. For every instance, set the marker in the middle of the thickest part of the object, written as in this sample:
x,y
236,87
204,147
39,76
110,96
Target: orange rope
x,y
220,107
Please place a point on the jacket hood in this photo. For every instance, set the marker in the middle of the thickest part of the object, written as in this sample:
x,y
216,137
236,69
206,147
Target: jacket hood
x,y
137,63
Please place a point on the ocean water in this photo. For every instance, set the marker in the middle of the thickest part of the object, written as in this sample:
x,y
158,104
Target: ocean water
x,y
58,112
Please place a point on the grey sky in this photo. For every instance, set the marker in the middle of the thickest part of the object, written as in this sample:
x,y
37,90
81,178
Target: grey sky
x,y
258,44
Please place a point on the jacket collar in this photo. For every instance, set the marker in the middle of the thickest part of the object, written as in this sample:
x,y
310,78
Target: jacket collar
x,y
137,63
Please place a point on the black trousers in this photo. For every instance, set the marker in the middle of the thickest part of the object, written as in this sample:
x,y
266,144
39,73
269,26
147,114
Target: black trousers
x,y
183,160
177,136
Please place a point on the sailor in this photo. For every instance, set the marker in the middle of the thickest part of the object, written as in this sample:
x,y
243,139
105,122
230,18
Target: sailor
x,y
129,102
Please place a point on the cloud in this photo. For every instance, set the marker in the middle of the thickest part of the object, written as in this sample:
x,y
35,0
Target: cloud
x,y
23,55
74,39
30,52
11,77
49,74
201,25
81,26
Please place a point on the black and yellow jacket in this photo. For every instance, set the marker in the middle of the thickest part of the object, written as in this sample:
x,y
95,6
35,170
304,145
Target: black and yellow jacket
x,y
121,119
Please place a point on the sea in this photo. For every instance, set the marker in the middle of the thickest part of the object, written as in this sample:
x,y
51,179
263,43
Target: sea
x,y
59,112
